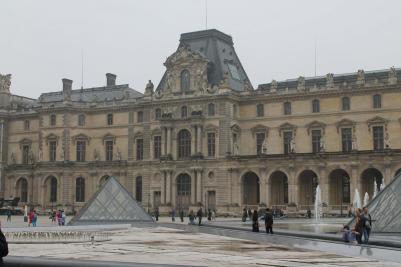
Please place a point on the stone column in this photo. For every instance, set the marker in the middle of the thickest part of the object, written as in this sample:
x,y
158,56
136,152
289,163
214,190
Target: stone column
x,y
387,174
199,139
292,187
163,188
164,139
173,190
193,190
168,187
193,139
1,155
262,186
199,185
169,140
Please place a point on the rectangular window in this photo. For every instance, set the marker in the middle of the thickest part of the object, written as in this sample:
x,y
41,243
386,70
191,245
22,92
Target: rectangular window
x,y
140,116
25,154
316,137
53,120
81,149
287,138
52,150
109,150
81,120
378,140
157,146
260,138
211,144
109,119
139,149
26,125
346,139
287,108
377,101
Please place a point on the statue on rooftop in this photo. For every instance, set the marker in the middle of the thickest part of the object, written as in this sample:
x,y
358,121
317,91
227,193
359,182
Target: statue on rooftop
x,y
5,83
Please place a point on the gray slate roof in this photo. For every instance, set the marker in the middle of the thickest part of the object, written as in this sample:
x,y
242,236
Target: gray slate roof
x,y
96,94
218,48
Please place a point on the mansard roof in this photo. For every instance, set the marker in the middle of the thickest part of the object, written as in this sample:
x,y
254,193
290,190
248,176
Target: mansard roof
x,y
95,94
218,49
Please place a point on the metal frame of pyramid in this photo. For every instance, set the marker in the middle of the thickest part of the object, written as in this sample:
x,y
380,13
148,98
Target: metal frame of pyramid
x,y
385,208
111,204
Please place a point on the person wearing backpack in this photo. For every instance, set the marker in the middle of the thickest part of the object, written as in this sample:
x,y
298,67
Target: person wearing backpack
x,y
368,224
3,246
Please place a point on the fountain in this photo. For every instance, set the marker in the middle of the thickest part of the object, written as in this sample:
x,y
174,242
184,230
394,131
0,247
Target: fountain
x,y
357,200
375,189
41,237
318,205
366,199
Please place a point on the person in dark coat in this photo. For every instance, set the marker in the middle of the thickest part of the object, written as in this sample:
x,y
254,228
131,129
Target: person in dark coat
x,y
157,214
3,246
269,222
182,215
199,214
249,214
209,215
367,225
255,223
358,229
244,215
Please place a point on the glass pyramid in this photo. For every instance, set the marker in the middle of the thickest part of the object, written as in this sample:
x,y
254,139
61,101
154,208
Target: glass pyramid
x,y
112,203
385,208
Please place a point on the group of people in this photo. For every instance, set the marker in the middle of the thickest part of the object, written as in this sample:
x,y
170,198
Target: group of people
x,y
58,216
361,229
192,216
267,218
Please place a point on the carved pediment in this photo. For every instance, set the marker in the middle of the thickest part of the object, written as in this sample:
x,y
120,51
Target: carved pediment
x,y
109,137
345,123
211,128
52,137
183,54
288,127
260,129
25,141
377,121
156,131
80,137
315,125
138,135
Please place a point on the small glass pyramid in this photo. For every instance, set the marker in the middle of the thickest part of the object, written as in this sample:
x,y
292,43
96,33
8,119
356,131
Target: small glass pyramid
x,y
385,208
112,203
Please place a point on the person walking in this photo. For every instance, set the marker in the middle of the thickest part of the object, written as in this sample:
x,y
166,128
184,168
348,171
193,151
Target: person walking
x,y
244,215
269,222
30,218
255,223
173,215
3,246
182,215
367,225
249,213
199,214
8,215
34,218
357,231
209,215
191,217
157,213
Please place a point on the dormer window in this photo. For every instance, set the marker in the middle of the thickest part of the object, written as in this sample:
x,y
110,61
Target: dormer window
x,y
185,80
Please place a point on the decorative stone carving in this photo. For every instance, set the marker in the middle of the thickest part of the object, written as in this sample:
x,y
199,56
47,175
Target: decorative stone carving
x,y
201,81
329,80
247,86
40,155
31,157
13,158
118,155
301,84
392,76
387,144
354,143
149,88
264,146
62,154
360,79
5,83
273,86
96,156
235,148
322,144
292,146
224,84
170,82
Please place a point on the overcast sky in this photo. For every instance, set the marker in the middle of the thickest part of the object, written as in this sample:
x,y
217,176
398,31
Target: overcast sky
x,y
41,41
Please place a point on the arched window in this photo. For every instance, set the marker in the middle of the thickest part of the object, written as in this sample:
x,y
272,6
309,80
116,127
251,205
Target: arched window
x,y
23,188
158,114
53,189
185,79
346,103
377,101
138,188
210,109
287,108
184,112
80,189
184,144
260,111
183,197
315,106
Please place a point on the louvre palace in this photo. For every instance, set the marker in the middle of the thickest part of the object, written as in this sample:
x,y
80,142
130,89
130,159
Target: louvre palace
x,y
204,135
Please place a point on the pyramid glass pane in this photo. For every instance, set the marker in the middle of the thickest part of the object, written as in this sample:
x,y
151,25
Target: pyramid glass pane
x,y
111,204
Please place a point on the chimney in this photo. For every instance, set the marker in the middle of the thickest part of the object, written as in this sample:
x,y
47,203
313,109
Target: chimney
x,y
111,79
67,88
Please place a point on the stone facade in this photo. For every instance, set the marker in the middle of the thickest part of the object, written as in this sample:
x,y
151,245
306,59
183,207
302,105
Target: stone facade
x,y
204,136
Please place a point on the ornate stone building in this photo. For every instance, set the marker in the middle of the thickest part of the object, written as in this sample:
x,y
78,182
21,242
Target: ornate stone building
x,y
204,136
